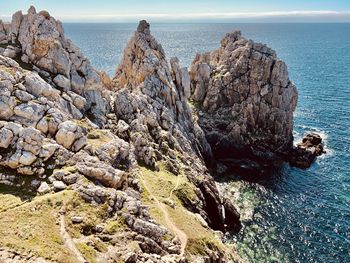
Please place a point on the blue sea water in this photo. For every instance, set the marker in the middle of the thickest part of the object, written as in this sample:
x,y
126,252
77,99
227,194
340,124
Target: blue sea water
x,y
299,215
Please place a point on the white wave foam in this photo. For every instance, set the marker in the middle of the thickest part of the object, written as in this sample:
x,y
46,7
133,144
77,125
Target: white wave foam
x,y
298,136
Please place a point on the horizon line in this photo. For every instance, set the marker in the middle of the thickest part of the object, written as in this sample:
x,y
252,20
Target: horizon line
x,y
328,15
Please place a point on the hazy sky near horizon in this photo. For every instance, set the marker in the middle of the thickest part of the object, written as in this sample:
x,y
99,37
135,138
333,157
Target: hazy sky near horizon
x,y
186,10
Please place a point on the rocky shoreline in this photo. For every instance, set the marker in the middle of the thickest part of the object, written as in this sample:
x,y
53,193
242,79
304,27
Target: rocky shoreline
x,y
140,146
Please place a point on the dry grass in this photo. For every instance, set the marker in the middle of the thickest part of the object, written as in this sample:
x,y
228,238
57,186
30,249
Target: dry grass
x,y
97,138
10,197
33,227
92,216
88,252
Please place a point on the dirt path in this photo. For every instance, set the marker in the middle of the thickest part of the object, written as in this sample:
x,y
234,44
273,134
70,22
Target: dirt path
x,y
170,223
69,243
176,186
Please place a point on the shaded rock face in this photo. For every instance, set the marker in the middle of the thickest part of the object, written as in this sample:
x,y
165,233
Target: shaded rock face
x,y
305,153
41,42
151,98
244,98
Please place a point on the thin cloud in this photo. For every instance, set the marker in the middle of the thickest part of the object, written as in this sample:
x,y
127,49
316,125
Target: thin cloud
x,y
218,14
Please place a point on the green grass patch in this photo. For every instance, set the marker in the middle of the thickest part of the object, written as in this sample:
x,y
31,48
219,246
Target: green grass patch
x,y
33,227
195,105
97,138
161,184
113,226
11,197
99,245
92,216
200,246
32,224
216,75
185,192
88,252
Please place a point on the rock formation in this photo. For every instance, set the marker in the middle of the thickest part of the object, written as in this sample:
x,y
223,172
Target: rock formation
x,y
63,125
245,100
38,40
151,98
133,146
305,153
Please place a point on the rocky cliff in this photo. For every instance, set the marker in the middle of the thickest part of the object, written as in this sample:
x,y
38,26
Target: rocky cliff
x,y
116,170
38,41
151,98
245,100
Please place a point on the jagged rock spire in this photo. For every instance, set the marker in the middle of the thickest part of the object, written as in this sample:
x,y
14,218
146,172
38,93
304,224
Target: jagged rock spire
x,y
144,27
151,97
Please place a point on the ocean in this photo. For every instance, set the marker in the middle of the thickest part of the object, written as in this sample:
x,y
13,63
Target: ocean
x,y
294,215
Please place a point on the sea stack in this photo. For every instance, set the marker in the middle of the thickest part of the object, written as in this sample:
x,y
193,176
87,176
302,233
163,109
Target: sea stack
x,y
245,100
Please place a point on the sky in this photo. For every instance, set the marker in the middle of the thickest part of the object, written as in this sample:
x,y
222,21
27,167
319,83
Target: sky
x,y
185,10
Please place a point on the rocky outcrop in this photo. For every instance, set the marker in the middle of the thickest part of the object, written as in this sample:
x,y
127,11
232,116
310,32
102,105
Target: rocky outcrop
x,y
40,136
151,98
38,40
50,97
34,120
244,98
305,153
69,126
51,100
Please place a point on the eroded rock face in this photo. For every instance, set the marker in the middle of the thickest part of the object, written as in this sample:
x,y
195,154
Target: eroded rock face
x,y
36,119
47,102
151,100
43,133
68,133
245,99
38,39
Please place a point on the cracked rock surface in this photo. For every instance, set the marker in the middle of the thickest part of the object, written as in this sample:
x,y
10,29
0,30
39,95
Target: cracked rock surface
x,y
68,127
245,99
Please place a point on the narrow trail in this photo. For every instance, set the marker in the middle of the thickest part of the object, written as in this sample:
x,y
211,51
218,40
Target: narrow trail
x,y
176,186
170,223
69,243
